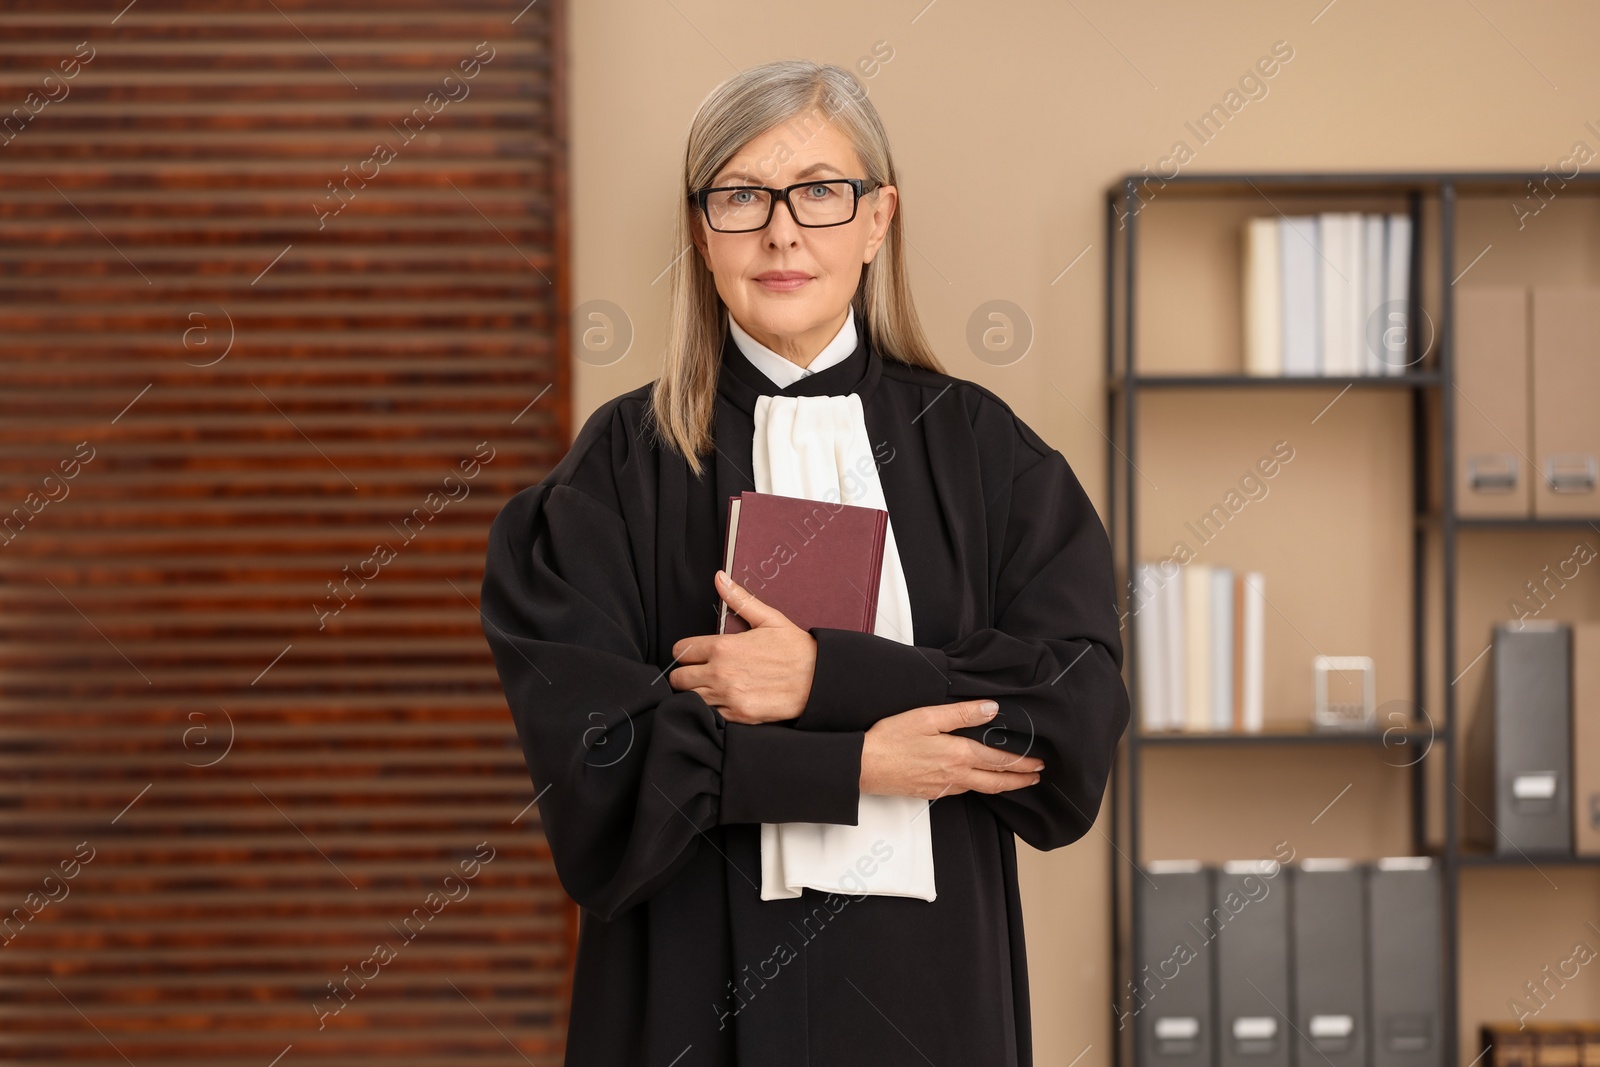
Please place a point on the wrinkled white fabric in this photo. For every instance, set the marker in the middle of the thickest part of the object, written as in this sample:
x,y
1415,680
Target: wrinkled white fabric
x,y
816,447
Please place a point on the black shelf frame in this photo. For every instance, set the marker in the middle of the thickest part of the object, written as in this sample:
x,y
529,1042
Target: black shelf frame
x,y
1547,523
1284,381
1393,736
1532,861
1123,386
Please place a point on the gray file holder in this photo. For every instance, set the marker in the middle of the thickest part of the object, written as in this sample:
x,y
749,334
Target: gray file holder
x,y
1250,906
1532,738
1174,1005
1403,946
1330,971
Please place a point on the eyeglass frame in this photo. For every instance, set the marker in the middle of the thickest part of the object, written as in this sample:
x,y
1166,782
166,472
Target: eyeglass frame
x,y
858,184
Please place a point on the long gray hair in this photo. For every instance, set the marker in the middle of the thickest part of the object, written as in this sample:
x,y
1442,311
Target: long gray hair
x,y
806,95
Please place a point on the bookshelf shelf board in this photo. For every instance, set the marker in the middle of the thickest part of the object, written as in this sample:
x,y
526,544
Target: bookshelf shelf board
x,y
1201,185
1393,736
1543,523
1530,862
1421,379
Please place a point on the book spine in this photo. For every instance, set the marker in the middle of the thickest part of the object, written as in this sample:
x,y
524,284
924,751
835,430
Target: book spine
x,y
1263,298
1145,601
1254,650
1238,650
880,545
1177,681
1197,644
1221,627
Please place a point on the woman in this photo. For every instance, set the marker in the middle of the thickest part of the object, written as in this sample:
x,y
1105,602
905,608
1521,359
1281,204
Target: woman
x,y
664,753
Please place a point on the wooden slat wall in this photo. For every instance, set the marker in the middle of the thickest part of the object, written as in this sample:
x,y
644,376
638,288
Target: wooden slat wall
x,y
239,745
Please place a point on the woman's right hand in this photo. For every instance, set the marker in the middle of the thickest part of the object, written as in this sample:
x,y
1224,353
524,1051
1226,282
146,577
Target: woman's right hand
x,y
911,754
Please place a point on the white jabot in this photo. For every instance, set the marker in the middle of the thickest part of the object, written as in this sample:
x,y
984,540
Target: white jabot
x,y
816,447
785,372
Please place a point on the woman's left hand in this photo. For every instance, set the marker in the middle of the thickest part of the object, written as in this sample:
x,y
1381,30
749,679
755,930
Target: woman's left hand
x,y
762,674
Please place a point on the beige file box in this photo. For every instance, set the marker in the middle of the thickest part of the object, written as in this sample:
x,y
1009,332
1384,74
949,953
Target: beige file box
x,y
1493,443
1566,381
1586,738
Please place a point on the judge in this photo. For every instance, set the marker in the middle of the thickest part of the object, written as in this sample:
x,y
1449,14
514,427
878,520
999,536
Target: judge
x,y
797,846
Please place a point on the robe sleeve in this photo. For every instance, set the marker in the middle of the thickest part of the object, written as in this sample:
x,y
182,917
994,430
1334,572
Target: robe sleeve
x,y
628,771
1052,659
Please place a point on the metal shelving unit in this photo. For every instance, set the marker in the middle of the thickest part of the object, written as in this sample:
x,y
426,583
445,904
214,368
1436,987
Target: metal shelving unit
x,y
1435,443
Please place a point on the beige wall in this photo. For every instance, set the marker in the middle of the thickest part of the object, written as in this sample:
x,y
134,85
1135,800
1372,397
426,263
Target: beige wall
x,y
1008,122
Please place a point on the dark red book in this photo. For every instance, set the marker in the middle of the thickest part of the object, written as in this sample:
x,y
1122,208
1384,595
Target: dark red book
x,y
816,561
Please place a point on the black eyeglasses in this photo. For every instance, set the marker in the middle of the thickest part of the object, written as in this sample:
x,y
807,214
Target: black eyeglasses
x,y
743,208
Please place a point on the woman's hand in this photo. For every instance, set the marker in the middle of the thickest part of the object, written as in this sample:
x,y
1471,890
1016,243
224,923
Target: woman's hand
x,y
911,754
760,675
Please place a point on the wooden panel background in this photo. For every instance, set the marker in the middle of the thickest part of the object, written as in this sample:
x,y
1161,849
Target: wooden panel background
x,y
261,800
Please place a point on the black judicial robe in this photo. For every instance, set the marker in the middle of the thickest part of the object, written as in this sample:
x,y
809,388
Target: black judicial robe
x,y
652,802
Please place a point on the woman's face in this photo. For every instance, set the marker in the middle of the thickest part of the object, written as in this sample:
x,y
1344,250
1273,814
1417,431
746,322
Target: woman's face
x,y
794,320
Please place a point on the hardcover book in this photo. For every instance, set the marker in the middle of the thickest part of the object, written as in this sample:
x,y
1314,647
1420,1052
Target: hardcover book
x,y
816,561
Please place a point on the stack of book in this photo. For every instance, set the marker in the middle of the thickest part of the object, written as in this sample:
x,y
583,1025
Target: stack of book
x,y
1532,1044
1326,294
1199,632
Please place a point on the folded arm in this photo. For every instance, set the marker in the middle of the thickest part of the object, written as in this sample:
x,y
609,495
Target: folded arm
x,y
1052,660
628,772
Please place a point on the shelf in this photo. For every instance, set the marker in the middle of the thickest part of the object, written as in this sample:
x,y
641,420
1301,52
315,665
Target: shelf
x,y
1421,379
1489,522
1357,183
1546,523
1393,736
1531,861
1205,204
